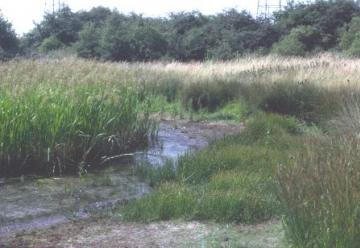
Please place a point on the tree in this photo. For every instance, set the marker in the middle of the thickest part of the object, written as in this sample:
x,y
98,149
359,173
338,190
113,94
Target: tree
x,y
354,49
96,16
179,26
89,44
349,34
236,33
148,43
107,34
325,16
64,25
9,44
350,38
298,42
195,44
116,41
50,44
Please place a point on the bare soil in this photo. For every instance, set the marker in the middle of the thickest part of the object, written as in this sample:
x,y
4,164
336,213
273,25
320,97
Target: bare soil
x,y
112,233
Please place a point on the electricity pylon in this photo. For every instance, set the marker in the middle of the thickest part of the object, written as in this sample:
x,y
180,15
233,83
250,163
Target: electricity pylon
x,y
265,8
54,5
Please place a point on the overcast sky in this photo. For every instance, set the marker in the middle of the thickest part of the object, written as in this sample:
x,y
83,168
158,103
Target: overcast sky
x,y
22,13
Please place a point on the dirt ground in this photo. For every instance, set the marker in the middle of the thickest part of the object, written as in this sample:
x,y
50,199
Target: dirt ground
x,y
111,233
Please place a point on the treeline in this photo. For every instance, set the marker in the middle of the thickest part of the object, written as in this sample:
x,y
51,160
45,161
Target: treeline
x,y
107,34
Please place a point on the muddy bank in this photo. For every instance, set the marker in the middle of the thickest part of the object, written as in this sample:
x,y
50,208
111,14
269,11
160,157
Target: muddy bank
x,y
32,203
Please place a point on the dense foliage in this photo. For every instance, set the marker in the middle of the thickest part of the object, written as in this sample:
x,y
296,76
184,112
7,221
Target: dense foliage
x,y
105,34
8,41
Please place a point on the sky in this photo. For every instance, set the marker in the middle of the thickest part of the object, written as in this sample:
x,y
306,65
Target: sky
x,y
23,13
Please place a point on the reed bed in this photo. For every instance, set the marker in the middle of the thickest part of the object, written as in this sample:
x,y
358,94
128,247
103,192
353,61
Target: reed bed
x,y
61,106
57,118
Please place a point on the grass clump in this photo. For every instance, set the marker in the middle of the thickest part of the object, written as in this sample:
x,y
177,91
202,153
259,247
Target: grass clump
x,y
58,129
209,96
170,201
304,101
233,111
233,180
320,194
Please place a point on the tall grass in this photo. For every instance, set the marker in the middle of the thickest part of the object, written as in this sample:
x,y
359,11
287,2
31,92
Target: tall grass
x,y
320,194
54,128
261,82
319,188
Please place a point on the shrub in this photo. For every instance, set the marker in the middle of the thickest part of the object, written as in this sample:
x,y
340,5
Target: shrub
x,y
354,49
289,46
50,44
149,44
89,45
297,43
349,35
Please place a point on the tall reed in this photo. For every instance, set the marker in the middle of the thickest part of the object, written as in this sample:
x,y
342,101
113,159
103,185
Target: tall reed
x,y
56,129
320,195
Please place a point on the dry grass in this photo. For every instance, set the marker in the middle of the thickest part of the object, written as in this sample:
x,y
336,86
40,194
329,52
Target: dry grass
x,y
326,69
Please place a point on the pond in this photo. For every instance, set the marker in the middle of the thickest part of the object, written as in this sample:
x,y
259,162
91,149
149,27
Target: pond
x,y
29,203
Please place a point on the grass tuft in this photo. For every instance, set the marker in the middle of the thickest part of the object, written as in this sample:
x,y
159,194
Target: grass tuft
x,y
233,180
320,196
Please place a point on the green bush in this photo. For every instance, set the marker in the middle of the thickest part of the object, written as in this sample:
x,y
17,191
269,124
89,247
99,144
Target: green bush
x,y
89,45
49,44
298,42
350,38
149,44
354,49
350,34
289,46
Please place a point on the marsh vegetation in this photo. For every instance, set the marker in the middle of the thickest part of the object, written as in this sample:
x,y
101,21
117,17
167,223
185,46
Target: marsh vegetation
x,y
296,159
